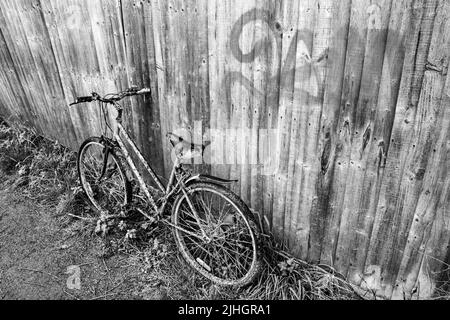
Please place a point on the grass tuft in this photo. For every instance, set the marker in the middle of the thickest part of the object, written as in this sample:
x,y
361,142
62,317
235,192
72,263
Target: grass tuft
x,y
285,277
44,170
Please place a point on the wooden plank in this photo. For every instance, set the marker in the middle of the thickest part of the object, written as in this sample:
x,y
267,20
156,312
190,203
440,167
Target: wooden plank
x,y
429,160
362,123
257,110
434,273
399,194
219,29
378,139
345,127
299,62
152,114
242,112
240,43
433,194
328,122
286,98
159,22
198,74
311,91
268,137
433,276
141,72
169,25
420,192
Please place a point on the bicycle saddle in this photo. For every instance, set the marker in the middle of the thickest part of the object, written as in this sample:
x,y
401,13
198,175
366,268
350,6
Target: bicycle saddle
x,y
185,149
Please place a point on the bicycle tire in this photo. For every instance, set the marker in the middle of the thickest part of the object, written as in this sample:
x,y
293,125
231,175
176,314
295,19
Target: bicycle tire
x,y
250,223
87,188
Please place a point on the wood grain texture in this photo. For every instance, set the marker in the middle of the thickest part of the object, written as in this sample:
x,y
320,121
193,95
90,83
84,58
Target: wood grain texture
x,y
333,115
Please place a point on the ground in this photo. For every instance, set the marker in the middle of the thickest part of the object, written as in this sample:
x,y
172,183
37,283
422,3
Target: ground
x,y
40,244
35,252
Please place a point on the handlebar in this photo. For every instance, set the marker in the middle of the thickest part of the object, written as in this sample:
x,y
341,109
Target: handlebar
x,y
114,97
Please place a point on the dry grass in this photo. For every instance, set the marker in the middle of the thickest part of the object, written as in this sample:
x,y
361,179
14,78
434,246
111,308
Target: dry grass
x,y
285,277
442,291
44,170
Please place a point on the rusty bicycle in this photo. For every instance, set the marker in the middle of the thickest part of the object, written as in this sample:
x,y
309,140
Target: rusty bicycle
x,y
214,230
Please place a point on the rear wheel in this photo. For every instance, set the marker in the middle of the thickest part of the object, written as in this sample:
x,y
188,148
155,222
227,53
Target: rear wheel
x,y
108,190
229,255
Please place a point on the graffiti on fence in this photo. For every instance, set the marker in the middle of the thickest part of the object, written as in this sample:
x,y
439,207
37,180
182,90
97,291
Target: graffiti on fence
x,y
300,46
292,70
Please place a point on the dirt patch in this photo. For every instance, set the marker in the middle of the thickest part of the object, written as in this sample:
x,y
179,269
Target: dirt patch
x,y
37,247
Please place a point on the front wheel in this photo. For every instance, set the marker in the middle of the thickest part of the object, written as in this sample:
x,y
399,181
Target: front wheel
x,y
102,176
227,250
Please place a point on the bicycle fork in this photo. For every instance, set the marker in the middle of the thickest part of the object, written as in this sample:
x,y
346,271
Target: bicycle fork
x,y
196,216
107,151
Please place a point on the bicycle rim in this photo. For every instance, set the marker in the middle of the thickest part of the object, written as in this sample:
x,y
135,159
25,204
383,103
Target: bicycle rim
x,y
110,193
230,258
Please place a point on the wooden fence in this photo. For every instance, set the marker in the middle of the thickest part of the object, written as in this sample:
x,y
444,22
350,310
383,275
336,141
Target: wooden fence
x,y
334,115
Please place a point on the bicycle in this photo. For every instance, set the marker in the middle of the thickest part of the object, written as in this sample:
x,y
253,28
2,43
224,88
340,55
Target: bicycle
x,y
213,228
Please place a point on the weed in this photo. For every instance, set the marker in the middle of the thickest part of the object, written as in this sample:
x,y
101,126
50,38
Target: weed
x,y
45,169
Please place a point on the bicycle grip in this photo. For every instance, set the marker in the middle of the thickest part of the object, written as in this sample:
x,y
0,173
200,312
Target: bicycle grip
x,y
85,99
82,99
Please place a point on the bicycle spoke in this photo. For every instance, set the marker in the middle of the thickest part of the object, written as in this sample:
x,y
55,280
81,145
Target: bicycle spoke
x,y
229,252
108,193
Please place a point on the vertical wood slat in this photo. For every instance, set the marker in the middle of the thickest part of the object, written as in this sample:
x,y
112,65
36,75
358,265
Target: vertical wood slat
x,y
336,79
300,108
328,121
435,256
307,169
219,27
284,113
362,122
394,205
158,25
142,72
345,129
430,158
378,140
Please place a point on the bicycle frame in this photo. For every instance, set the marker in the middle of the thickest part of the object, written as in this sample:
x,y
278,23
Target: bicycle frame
x,y
170,187
165,190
